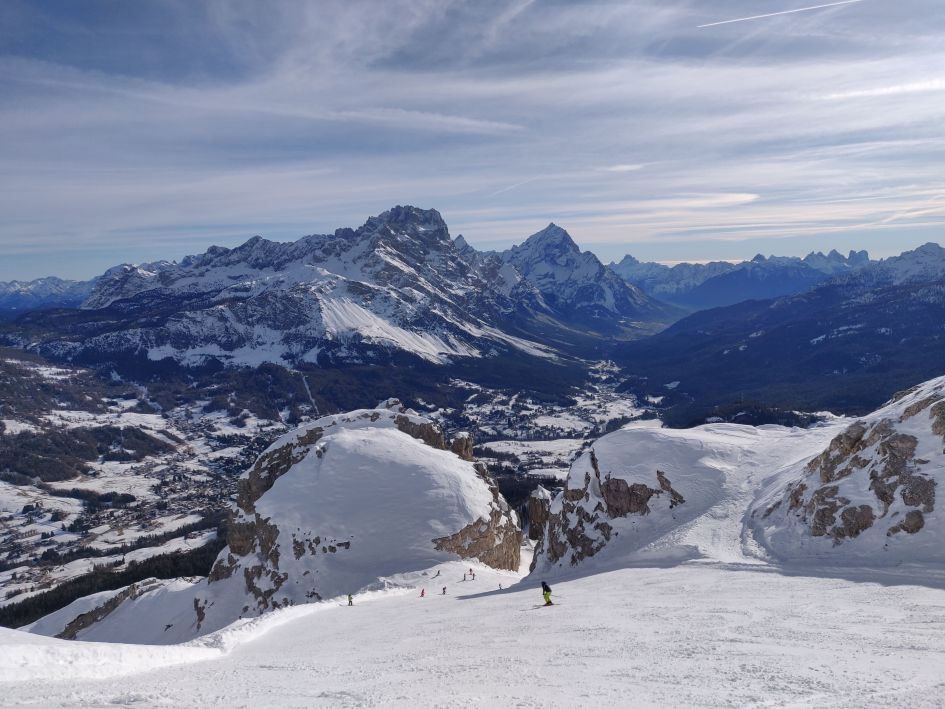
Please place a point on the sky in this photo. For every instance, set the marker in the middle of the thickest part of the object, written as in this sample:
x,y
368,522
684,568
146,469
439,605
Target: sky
x,y
135,131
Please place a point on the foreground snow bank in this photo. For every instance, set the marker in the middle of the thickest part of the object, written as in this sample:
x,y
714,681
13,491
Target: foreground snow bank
x,y
696,635
26,657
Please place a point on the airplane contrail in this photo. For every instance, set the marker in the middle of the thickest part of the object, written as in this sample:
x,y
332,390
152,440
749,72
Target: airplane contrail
x,y
783,12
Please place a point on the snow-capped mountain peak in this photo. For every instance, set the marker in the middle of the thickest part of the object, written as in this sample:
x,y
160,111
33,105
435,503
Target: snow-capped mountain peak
x,y
552,241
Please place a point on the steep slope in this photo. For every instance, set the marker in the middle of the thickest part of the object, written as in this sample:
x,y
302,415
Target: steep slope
x,y
870,496
395,285
345,504
843,494
846,346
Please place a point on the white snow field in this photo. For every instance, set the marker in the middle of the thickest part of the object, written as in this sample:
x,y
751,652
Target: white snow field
x,y
693,635
686,607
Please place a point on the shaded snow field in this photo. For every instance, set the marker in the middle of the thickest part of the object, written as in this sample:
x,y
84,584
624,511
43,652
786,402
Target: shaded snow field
x,y
692,635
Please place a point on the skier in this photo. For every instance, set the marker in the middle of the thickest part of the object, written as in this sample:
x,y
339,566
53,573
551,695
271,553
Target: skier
x,y
546,593
350,600
444,590
423,592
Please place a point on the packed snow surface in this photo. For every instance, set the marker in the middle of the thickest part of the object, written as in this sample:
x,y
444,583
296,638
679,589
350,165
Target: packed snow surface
x,y
692,635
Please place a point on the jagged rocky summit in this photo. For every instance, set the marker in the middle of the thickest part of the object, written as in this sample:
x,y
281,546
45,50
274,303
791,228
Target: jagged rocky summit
x,y
347,503
870,497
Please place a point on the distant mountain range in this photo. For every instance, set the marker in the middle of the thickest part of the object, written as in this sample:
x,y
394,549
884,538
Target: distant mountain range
x,y
49,292
845,345
400,295
697,286
398,285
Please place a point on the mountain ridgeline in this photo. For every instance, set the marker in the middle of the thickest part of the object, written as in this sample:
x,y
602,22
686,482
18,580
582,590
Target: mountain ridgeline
x,y
699,286
399,305
398,288
846,345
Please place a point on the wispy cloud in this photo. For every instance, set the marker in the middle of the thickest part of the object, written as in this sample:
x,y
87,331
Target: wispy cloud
x,y
624,167
776,14
894,90
153,135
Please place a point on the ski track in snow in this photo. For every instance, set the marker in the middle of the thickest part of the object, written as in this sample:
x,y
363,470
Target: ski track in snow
x,y
693,635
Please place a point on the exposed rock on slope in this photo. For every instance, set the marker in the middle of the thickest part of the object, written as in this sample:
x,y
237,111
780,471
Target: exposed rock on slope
x,y
635,487
538,508
575,283
581,519
869,492
338,506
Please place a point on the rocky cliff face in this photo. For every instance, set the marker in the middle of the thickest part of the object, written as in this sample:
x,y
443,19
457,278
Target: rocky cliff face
x,y
872,489
538,508
583,519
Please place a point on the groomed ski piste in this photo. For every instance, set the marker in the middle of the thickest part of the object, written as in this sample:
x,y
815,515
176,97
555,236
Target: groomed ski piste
x,y
690,610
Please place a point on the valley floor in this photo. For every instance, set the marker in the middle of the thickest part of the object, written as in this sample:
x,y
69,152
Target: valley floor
x,y
697,634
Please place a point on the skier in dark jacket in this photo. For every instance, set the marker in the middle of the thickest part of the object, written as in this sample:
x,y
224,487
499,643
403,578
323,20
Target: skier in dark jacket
x,y
546,593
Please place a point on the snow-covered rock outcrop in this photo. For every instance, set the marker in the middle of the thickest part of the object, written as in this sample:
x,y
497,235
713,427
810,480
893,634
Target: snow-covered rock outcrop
x,y
637,485
595,507
646,494
870,497
344,504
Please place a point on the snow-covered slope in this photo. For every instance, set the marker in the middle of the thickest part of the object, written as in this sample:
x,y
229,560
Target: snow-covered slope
x,y
668,282
396,284
705,616
347,503
870,496
923,264
649,494
840,494
696,635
